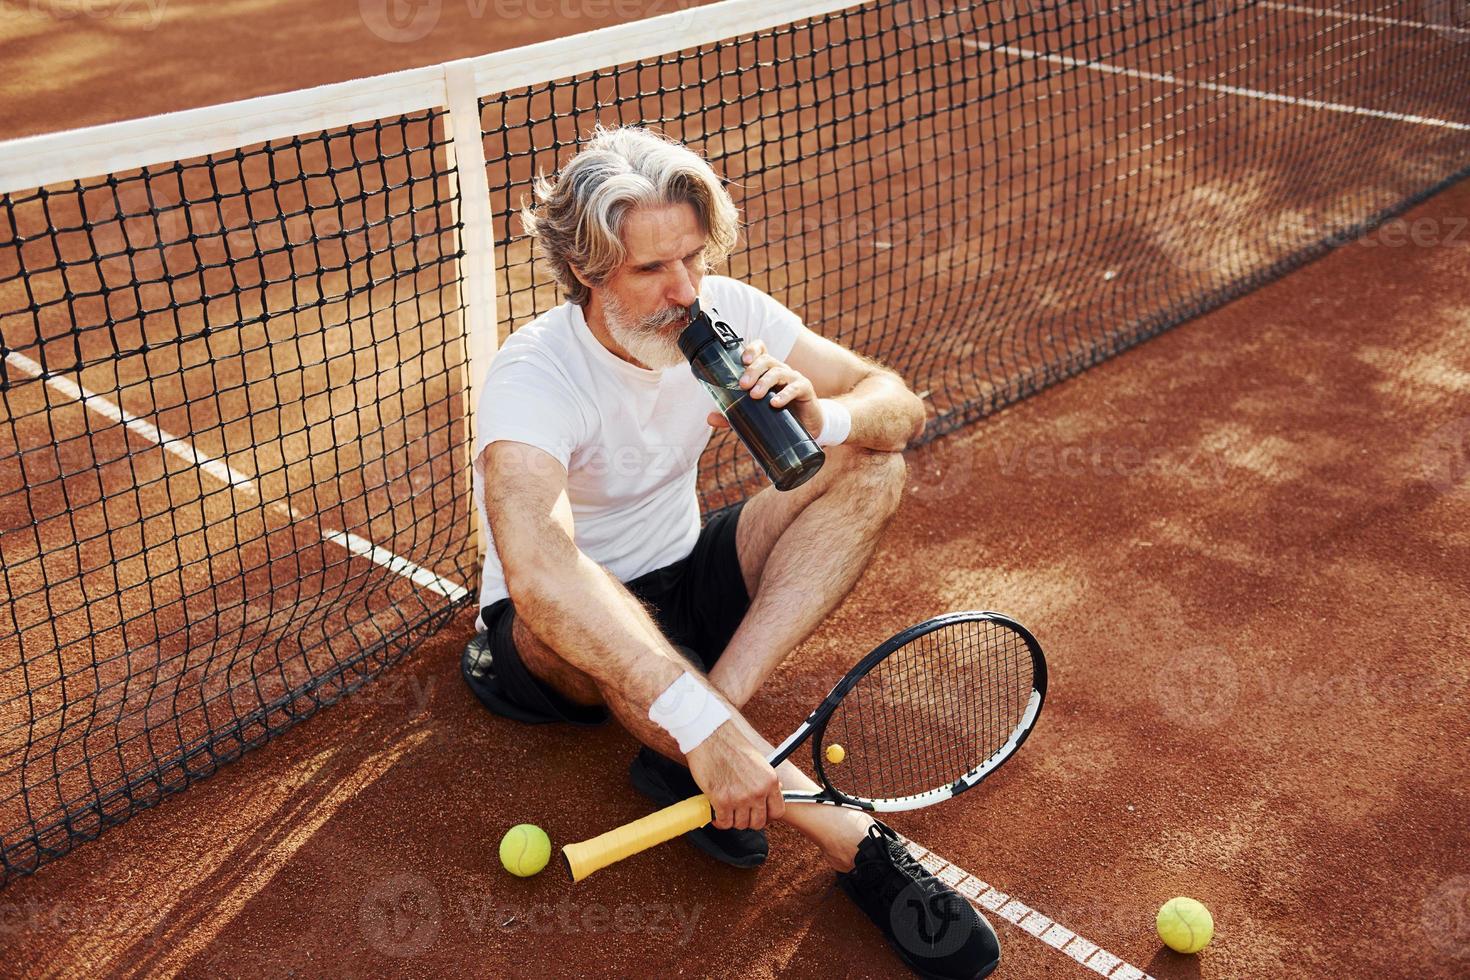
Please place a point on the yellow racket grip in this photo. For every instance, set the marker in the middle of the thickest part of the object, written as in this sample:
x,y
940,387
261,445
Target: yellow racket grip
x,y
593,855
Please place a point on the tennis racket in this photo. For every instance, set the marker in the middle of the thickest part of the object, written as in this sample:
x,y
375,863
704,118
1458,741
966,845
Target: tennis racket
x,y
927,715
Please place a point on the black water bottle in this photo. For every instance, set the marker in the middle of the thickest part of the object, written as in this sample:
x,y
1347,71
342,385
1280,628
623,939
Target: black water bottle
x,y
783,447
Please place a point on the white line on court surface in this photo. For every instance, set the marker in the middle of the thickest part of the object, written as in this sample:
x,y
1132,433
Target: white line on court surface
x,y
396,563
1018,913
1366,18
227,474
1249,93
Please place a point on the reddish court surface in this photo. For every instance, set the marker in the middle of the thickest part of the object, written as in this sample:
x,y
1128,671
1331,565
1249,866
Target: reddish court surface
x,y
1243,545
71,64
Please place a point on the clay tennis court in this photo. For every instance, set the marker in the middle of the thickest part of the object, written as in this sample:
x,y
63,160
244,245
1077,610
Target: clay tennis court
x,y
1241,544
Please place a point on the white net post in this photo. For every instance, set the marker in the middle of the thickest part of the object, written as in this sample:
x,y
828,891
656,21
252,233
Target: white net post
x,y
477,271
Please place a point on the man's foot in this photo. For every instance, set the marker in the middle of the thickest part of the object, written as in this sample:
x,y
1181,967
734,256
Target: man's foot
x,y
929,925
666,783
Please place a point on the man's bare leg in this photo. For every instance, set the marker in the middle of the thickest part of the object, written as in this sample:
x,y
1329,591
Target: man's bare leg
x,y
801,552
837,832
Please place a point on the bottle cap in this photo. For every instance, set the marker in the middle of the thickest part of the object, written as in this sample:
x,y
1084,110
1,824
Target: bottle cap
x,y
701,330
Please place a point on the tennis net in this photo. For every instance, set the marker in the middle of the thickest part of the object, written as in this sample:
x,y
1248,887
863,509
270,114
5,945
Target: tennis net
x,y
240,344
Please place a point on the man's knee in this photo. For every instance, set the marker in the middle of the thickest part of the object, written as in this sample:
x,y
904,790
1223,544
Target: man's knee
x,y
877,477
547,665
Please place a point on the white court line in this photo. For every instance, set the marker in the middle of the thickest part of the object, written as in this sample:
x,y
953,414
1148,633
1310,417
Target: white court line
x,y
227,474
102,406
1365,18
1018,913
395,563
1168,79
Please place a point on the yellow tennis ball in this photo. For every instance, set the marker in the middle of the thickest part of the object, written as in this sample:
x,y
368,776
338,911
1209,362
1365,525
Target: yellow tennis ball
x,y
836,753
1185,925
525,849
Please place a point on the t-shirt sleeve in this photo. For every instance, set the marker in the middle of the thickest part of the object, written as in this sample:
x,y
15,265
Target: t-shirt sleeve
x,y
757,316
529,402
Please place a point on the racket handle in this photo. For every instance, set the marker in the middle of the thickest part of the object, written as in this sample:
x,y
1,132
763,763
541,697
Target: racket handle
x,y
664,825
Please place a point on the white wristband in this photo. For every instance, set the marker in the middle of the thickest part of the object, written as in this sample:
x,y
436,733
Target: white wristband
x,y
836,422
689,711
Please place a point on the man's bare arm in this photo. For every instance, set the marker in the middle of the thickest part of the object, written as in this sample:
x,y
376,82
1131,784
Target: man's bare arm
x,y
595,624
886,415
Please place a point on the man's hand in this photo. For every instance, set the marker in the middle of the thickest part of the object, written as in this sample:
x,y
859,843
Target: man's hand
x,y
741,785
789,388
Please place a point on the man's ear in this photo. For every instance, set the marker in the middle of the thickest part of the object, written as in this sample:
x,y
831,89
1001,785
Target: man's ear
x,y
580,278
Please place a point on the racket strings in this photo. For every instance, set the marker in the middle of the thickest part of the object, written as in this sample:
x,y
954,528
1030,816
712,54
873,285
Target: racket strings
x,y
932,711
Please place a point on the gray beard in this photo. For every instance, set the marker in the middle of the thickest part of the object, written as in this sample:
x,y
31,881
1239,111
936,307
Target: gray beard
x,y
644,339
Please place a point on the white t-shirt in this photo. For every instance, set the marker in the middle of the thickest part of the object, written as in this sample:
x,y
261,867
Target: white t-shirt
x,y
629,437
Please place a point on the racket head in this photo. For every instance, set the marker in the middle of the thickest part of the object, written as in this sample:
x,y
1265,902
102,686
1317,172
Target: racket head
x,y
931,712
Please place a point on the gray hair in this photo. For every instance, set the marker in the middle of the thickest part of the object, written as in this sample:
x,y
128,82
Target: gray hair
x,y
578,216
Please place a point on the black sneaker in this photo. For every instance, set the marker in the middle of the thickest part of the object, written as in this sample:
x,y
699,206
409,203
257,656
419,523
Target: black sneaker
x,y
929,925
477,667
666,783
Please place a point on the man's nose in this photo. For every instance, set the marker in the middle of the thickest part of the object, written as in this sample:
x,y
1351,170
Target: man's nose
x,y
683,287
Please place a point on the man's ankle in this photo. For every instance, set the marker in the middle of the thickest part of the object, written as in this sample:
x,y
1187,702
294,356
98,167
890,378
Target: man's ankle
x,y
840,845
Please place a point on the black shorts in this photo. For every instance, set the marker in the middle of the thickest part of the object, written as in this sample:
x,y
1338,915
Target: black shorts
x,y
698,603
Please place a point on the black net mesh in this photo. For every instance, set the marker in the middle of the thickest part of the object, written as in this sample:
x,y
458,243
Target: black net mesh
x,y
990,197
225,381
